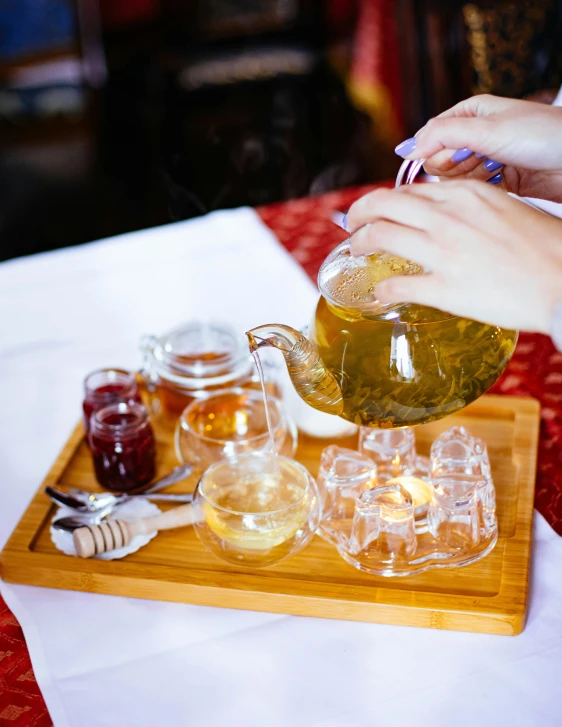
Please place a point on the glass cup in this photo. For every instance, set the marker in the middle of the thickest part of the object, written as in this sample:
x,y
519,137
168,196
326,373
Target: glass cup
x,y
230,423
394,453
463,511
255,509
456,513
384,524
343,477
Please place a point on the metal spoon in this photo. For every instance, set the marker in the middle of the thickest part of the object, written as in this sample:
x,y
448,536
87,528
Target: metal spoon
x,y
72,523
97,500
84,501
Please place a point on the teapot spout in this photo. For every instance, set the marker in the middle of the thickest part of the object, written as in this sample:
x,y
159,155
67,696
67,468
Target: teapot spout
x,y
313,382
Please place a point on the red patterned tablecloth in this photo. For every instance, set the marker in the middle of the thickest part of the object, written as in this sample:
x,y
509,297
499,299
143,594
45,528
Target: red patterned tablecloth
x,y
304,227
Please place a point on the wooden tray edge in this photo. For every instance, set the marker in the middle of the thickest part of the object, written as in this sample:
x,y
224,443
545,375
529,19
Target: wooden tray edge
x,y
472,619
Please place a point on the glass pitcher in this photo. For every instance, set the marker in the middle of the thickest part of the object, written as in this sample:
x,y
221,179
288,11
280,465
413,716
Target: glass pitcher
x,y
385,366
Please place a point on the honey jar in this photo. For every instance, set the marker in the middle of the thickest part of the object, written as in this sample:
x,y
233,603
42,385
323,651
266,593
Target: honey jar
x,y
194,360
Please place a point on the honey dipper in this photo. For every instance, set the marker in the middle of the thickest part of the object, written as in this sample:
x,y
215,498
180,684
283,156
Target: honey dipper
x,y
113,534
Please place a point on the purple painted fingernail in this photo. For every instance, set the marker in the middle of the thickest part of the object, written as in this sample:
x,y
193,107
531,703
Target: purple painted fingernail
x,y
490,165
461,154
480,156
344,222
405,148
496,179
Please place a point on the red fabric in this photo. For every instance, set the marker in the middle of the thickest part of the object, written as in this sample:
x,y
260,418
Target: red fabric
x,y
376,61
304,227
363,44
21,703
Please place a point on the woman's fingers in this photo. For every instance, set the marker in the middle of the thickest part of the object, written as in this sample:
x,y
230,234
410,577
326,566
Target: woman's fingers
x,y
481,105
476,166
421,289
452,143
427,223
461,199
478,134
447,163
406,242
479,247
389,204
520,133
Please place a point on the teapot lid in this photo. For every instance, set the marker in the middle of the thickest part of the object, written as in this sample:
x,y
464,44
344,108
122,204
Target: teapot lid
x,y
350,282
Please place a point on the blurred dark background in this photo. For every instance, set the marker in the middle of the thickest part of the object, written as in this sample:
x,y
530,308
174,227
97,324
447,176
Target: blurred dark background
x,y
121,114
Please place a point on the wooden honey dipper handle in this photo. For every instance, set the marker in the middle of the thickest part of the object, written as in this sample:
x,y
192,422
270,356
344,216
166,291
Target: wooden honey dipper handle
x,y
112,534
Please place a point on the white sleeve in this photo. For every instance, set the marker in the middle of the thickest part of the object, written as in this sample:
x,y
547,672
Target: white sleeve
x,y
552,208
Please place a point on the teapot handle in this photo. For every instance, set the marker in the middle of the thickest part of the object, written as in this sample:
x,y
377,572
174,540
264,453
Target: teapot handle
x,y
409,170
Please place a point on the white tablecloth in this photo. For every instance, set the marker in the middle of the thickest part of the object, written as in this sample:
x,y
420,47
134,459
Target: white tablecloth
x,y
109,661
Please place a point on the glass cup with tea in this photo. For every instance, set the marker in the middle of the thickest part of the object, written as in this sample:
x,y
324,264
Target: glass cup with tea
x,y
230,423
255,509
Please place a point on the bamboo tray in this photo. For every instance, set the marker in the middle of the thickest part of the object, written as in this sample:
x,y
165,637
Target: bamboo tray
x,y
489,596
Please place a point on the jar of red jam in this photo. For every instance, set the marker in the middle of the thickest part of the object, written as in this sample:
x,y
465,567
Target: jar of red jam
x,y
194,360
107,386
122,444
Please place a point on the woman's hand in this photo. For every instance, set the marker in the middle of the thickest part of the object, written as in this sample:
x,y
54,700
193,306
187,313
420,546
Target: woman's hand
x,y
488,256
487,138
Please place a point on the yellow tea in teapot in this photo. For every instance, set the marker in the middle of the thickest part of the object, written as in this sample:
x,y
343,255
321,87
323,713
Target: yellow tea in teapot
x,y
422,367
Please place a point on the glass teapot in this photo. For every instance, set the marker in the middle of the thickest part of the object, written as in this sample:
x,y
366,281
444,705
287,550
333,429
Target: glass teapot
x,y
385,366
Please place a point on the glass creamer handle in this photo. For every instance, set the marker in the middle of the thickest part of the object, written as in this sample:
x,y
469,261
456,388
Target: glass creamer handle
x,y
147,347
147,373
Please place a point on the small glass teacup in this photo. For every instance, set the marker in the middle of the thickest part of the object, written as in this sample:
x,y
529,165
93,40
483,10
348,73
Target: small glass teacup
x,y
230,423
256,509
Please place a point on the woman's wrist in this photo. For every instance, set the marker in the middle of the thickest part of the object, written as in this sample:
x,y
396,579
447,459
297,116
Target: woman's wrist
x,y
549,303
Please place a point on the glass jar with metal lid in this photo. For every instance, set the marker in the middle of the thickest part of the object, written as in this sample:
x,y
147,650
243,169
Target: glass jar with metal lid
x,y
194,360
